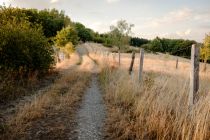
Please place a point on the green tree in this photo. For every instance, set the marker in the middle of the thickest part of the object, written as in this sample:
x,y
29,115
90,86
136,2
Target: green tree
x,y
84,34
120,34
50,20
205,50
137,42
156,45
65,36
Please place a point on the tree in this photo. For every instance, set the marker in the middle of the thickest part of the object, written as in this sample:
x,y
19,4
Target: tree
x,y
65,36
120,34
65,40
137,42
156,45
50,20
205,50
84,34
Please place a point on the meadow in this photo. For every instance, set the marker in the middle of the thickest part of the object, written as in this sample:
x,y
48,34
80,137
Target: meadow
x,y
157,107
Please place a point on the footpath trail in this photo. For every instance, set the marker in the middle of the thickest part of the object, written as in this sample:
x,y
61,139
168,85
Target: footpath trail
x,y
91,114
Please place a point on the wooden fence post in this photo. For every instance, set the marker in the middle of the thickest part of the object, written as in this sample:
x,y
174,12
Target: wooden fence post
x,y
177,63
194,74
132,62
141,60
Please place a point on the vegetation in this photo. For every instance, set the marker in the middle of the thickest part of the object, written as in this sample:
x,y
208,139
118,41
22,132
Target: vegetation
x,y
205,51
25,51
23,47
178,47
54,107
50,20
66,35
157,108
120,33
137,42
84,34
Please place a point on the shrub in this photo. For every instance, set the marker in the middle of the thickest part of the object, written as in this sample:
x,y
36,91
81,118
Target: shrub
x,y
24,48
68,49
66,35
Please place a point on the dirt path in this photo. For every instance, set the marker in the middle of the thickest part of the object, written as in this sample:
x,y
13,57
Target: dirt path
x,y
91,115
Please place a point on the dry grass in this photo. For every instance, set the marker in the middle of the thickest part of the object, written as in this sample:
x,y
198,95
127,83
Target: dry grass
x,y
59,100
156,108
13,86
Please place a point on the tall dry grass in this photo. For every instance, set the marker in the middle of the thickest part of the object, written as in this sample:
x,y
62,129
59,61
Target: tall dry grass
x,y
157,108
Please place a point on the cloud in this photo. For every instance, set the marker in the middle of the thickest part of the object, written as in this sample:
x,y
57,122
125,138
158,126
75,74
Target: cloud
x,y
173,17
183,33
39,4
54,1
112,1
101,27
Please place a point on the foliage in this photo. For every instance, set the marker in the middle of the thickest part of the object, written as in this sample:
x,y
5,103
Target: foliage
x,y
120,33
84,34
66,35
68,49
205,50
179,47
135,41
23,46
50,20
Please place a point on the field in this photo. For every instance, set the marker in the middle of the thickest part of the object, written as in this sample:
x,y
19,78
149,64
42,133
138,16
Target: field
x,y
156,108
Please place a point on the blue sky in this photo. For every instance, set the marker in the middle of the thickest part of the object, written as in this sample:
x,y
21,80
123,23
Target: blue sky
x,y
187,19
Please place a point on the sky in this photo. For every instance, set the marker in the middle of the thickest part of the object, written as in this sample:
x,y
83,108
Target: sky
x,y
186,19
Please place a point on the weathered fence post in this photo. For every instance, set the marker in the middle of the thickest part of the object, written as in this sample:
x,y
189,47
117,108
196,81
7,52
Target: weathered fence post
x,y
194,74
132,62
119,55
177,63
141,60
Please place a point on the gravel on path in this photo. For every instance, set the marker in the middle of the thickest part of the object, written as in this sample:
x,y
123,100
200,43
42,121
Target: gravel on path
x,y
91,115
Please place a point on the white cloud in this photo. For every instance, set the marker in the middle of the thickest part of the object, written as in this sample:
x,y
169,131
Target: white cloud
x,y
183,33
101,27
112,1
54,1
181,15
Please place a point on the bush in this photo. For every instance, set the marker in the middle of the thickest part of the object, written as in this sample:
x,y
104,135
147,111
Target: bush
x,y
24,48
68,49
66,35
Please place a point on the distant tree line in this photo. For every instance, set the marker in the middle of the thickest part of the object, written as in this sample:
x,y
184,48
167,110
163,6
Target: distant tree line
x,y
137,42
178,47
